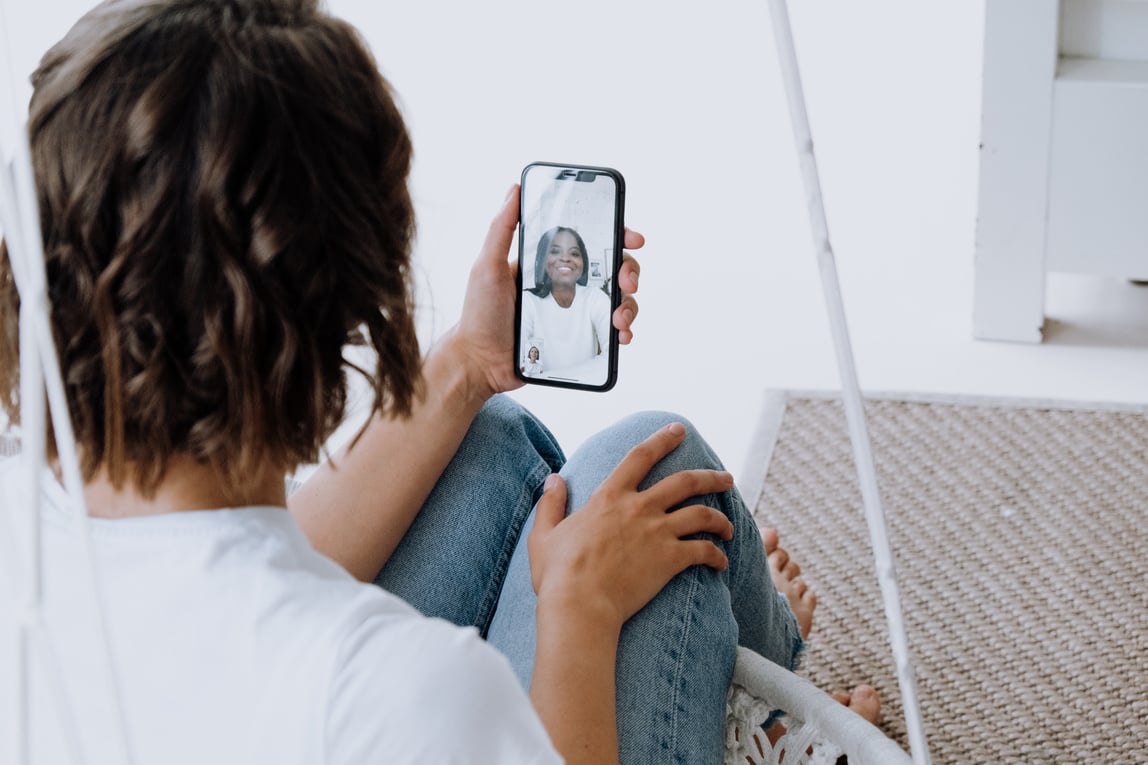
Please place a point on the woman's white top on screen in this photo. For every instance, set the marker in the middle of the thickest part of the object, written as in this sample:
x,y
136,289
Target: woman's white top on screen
x,y
566,337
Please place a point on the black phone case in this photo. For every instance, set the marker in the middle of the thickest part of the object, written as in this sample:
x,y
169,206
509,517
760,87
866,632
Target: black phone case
x,y
615,290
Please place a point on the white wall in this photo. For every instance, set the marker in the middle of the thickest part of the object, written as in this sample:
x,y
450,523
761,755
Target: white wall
x,y
700,131
730,298
686,102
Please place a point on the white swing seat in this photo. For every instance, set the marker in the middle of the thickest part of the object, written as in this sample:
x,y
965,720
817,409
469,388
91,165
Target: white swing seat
x,y
819,729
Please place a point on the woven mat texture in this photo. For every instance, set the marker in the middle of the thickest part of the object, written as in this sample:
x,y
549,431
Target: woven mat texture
x,y
1019,537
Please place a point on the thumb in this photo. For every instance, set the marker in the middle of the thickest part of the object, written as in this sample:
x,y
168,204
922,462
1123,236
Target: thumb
x,y
551,507
548,513
502,228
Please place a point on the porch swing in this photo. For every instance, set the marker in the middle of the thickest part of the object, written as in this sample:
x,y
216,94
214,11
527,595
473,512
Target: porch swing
x,y
819,729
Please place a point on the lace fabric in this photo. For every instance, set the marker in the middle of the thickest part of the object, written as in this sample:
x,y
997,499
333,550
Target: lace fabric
x,y
747,744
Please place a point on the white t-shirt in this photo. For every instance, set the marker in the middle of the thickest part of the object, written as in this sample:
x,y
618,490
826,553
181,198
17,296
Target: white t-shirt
x,y
235,642
566,337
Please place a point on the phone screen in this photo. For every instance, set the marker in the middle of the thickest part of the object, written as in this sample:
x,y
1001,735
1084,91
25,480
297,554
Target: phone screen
x,y
569,252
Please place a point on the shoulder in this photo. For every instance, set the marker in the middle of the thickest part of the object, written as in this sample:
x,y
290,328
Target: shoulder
x,y
594,297
8,477
421,690
531,302
14,484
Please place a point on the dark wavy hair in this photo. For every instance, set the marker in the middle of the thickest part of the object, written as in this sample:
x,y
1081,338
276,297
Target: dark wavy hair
x,y
223,200
541,278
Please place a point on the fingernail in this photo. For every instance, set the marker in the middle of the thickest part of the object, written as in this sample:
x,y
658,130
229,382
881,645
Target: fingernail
x,y
676,428
628,315
509,193
551,482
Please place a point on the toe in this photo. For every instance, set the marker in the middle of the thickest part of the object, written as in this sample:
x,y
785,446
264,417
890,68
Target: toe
x,y
792,570
770,539
865,702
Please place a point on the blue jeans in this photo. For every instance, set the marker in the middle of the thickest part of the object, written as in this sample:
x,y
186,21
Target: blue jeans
x,y
465,560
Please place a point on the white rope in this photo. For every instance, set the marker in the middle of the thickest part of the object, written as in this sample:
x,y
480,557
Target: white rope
x,y
13,558
29,584
40,373
854,405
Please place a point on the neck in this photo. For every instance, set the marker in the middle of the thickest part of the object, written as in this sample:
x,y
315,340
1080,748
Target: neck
x,y
187,485
563,294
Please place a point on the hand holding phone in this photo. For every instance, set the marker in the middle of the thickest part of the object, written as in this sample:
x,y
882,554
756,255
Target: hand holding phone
x,y
570,240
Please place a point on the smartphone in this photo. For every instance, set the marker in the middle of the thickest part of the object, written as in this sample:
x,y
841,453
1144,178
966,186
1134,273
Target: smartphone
x,y
569,254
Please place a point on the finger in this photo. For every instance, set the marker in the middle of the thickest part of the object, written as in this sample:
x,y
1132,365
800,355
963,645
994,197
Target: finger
x,y
632,240
628,274
695,552
677,488
699,519
625,314
637,463
623,317
501,232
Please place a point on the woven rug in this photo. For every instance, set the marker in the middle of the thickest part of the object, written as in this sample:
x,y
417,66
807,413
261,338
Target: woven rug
x,y
1018,530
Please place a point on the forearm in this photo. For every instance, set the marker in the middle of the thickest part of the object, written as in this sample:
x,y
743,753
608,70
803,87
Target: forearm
x,y
573,684
356,508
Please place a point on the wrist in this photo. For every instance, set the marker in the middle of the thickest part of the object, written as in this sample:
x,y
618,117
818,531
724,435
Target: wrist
x,y
573,685
591,616
450,371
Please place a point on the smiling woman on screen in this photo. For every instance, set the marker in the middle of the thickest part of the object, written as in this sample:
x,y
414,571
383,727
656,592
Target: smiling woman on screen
x,y
561,313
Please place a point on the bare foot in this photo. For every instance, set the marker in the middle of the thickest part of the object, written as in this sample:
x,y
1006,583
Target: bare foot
x,y
863,700
785,572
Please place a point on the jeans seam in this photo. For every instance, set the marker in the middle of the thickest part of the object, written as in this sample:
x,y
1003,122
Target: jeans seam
x,y
687,620
526,505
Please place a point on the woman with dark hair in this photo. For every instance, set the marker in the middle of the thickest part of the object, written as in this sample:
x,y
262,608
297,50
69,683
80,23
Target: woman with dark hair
x,y
550,253
561,314
533,364
224,208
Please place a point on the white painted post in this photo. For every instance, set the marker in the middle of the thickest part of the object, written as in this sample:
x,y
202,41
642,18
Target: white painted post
x,y
1020,57
851,390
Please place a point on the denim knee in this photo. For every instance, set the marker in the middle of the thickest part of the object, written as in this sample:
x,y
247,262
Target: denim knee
x,y
693,453
503,423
